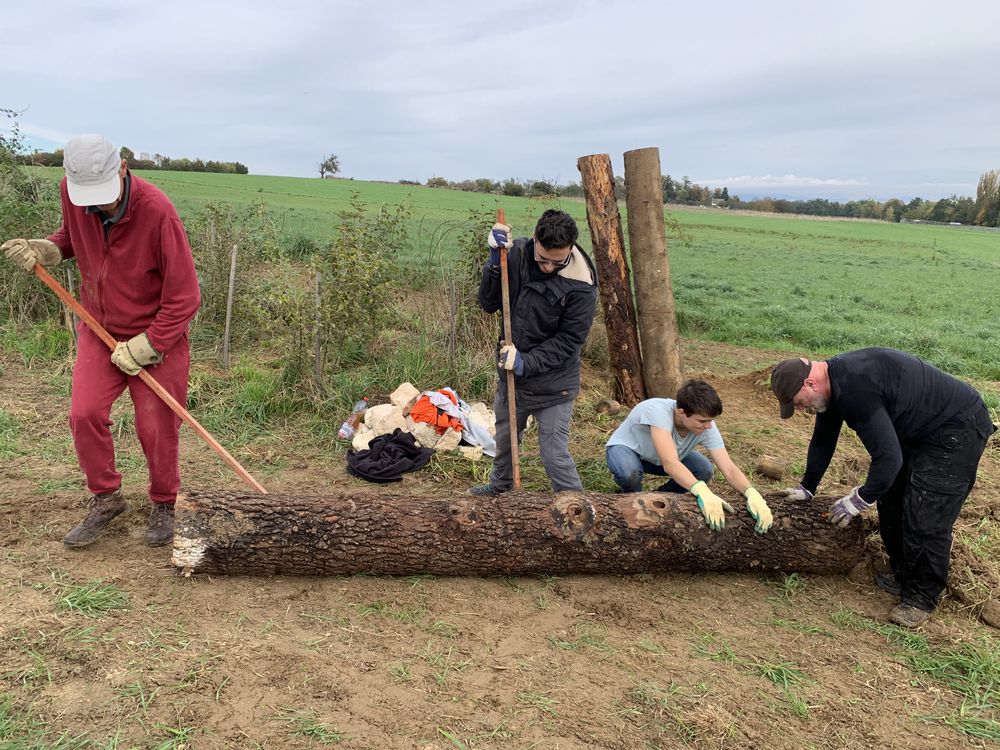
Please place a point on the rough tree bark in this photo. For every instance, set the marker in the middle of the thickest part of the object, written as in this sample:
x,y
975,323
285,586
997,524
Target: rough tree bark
x,y
234,532
654,295
615,285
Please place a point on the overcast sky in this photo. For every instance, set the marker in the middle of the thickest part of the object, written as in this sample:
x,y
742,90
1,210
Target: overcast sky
x,y
841,100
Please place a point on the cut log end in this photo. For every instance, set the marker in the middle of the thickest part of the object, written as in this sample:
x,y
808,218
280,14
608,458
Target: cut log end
x,y
772,467
608,406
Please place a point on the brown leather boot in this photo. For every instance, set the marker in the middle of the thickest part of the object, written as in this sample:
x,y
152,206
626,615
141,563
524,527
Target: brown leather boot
x,y
103,508
161,525
908,616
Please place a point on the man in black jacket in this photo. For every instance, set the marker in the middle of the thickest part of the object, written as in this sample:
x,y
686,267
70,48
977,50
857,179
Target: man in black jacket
x,y
925,431
553,296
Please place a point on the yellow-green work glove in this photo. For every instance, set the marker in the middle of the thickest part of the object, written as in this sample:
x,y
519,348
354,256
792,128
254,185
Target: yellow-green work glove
x,y
711,506
759,510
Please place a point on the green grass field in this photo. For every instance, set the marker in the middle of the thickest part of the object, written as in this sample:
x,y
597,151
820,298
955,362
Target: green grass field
x,y
100,654
776,282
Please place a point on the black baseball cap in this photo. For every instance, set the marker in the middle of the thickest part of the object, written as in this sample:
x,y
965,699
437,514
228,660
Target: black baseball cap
x,y
787,379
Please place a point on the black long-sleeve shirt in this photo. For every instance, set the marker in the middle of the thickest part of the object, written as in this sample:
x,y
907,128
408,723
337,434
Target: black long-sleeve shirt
x,y
891,399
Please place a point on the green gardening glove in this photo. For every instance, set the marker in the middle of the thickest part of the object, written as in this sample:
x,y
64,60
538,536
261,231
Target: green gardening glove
x,y
759,510
711,506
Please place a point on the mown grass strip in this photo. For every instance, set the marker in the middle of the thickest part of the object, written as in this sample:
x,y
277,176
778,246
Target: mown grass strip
x,y
21,731
306,724
93,598
970,669
10,429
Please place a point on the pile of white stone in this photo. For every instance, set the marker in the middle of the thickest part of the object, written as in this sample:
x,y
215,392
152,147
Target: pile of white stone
x,y
384,418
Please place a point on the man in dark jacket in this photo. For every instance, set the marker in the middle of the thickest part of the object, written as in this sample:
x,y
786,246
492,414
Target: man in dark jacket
x,y
925,431
553,296
139,282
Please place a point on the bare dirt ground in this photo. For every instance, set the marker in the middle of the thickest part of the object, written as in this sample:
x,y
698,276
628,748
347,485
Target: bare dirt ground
x,y
649,661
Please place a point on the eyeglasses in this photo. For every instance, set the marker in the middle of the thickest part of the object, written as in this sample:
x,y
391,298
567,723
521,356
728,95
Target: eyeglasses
x,y
549,261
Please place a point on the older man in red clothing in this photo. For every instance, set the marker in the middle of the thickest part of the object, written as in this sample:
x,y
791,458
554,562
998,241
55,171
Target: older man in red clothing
x,y
139,282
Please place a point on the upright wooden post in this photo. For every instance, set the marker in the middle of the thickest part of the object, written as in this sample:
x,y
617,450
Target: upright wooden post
x,y
608,246
318,339
70,318
229,307
654,295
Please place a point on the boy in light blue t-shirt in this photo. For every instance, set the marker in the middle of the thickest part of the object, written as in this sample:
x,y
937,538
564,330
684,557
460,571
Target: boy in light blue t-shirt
x,y
660,435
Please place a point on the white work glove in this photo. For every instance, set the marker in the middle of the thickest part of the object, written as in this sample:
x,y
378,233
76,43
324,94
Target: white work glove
x,y
510,359
848,507
797,493
26,253
132,355
499,237
711,506
759,510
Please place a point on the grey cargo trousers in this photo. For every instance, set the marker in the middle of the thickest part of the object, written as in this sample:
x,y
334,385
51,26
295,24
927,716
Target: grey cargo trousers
x,y
553,442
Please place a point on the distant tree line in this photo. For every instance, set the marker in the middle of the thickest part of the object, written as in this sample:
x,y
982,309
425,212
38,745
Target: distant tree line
x,y
674,191
983,210
509,186
953,209
157,161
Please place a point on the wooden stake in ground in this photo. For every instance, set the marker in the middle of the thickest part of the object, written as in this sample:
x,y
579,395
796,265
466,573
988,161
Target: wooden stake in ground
x,y
230,296
608,246
391,533
654,294
70,318
318,336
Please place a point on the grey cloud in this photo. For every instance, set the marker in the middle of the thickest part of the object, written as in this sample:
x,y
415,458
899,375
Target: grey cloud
x,y
514,88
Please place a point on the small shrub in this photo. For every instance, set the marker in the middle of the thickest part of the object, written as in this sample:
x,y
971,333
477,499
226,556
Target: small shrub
x,y
29,207
299,247
213,233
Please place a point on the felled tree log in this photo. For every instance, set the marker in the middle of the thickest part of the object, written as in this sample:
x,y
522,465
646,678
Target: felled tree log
x,y
515,534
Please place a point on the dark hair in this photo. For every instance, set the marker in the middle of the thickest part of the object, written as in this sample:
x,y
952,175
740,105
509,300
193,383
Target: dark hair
x,y
556,230
698,397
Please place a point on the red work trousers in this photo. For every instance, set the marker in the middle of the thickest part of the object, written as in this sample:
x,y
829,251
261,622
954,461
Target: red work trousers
x,y
97,383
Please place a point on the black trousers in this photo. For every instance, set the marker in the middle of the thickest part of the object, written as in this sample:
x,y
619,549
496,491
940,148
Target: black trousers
x,y
917,514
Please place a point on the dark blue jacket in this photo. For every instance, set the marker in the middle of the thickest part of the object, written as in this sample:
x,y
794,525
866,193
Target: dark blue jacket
x,y
550,318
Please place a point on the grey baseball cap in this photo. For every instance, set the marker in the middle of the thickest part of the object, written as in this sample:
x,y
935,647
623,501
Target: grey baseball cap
x,y
92,163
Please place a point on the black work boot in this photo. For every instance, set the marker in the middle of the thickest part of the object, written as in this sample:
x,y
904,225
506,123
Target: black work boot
x,y
103,508
888,583
160,530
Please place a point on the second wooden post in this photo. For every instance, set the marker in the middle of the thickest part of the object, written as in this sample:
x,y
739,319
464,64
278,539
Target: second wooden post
x,y
654,294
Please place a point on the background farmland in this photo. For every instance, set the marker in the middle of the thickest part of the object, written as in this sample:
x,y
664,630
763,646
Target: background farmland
x,y
108,648
760,280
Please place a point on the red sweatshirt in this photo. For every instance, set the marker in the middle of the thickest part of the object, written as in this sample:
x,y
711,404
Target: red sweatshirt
x,y
141,276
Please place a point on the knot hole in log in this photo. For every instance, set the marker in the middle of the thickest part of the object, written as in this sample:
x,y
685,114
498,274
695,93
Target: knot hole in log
x,y
644,510
463,513
573,517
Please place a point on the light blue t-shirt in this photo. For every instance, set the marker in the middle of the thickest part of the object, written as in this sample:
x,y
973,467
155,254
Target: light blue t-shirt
x,y
659,412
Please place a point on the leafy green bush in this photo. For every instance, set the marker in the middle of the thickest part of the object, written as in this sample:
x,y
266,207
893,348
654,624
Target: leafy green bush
x,y
356,271
213,234
29,207
299,247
